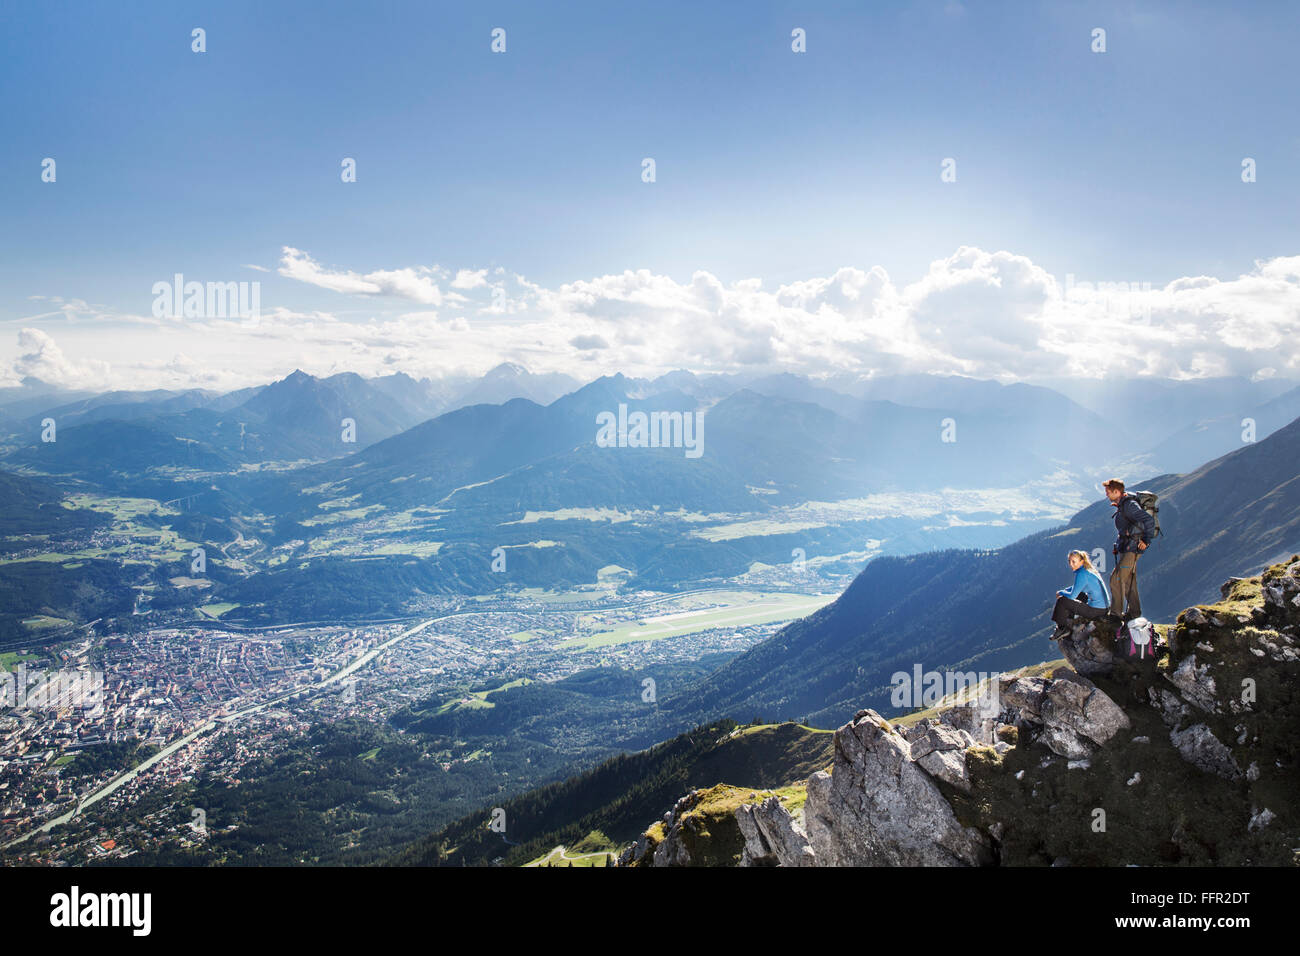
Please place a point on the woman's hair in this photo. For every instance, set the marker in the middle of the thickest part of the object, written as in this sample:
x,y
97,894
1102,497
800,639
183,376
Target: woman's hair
x,y
1082,556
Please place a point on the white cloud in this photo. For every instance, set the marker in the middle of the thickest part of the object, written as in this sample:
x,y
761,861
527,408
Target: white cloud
x,y
40,357
416,284
469,279
986,314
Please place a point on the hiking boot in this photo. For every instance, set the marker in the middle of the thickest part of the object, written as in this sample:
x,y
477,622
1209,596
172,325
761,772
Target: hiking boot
x,y
1061,634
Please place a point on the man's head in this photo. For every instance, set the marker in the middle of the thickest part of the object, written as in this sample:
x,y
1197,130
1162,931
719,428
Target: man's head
x,y
1114,490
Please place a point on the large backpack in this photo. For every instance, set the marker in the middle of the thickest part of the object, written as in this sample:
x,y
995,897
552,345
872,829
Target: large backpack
x,y
1148,502
1141,636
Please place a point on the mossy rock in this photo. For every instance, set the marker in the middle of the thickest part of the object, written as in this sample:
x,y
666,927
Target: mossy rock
x,y
1158,808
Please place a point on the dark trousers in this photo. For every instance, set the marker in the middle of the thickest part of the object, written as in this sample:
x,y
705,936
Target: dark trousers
x,y
1067,608
1124,586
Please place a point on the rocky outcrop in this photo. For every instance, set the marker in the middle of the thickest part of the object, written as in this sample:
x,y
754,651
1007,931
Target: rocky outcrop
x,y
940,750
880,807
1078,717
1282,590
1089,647
1074,715
1224,649
665,844
702,829
943,792
1202,749
1194,683
773,836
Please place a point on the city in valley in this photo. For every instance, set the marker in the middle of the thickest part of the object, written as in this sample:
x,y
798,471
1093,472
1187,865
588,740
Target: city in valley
x,y
103,737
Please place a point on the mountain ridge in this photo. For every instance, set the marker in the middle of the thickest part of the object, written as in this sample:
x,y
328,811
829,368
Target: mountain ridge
x,y
936,605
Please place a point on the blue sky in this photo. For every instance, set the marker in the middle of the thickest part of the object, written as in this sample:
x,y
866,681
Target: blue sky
x,y
771,165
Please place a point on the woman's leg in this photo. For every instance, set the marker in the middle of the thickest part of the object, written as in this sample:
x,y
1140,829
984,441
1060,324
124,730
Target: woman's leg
x,y
1091,613
1060,613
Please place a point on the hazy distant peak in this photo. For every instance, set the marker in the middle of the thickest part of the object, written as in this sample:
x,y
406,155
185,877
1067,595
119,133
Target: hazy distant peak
x,y
507,370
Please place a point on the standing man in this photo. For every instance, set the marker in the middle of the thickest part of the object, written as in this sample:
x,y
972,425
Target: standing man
x,y
1135,526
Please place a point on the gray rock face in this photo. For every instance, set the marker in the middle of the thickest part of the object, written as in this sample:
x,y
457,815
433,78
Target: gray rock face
x,y
1065,742
636,852
1089,647
773,837
671,851
1284,592
1275,644
1195,684
1202,749
1226,587
1261,819
1024,694
1075,703
878,807
937,737
1075,715
948,766
1171,707
975,720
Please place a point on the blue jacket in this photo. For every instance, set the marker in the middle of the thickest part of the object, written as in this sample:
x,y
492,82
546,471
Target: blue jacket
x,y
1133,523
1092,588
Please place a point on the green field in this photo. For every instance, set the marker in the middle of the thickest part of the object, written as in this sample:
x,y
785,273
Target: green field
x,y
738,609
752,529
122,509
215,611
612,515
765,728
568,856
147,545
338,547
43,622
479,699
590,851
10,658
345,515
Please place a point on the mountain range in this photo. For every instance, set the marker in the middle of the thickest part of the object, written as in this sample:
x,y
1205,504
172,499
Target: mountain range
x,y
836,469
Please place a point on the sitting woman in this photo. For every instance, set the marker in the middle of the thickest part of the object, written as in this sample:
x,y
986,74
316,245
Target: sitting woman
x,y
1087,597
